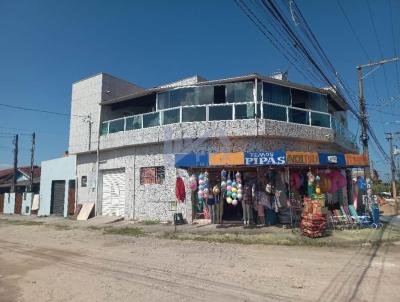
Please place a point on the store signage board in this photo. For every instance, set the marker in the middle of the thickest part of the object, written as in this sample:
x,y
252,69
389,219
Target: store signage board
x,y
226,159
266,158
356,160
302,158
188,160
332,159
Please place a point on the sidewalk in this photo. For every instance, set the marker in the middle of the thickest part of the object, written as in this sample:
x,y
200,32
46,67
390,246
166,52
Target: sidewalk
x,y
231,233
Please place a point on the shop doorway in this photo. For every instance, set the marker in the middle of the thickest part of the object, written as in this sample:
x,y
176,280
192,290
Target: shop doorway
x,y
18,203
57,197
71,197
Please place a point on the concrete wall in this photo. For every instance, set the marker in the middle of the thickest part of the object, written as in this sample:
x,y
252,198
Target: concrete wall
x,y
86,97
153,201
26,203
9,203
265,129
56,169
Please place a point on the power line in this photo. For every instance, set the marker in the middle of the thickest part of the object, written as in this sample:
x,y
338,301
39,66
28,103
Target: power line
x,y
394,44
40,110
358,41
379,44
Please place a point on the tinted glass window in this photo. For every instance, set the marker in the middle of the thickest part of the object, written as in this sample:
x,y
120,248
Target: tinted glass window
x,y
239,92
276,94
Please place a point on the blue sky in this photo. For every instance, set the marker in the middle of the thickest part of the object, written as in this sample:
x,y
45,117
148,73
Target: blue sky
x,y
47,45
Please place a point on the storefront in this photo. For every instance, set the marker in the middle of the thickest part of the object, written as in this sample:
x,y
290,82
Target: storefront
x,y
280,182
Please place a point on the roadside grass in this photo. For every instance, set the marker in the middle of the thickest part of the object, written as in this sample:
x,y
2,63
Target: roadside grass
x,y
150,222
21,222
60,227
345,238
125,231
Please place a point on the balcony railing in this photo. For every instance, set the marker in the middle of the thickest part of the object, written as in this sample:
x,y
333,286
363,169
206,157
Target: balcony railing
x,y
223,112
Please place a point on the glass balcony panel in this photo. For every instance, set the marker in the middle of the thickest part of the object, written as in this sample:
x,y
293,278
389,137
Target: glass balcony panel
x,y
320,119
220,113
134,122
170,117
298,116
116,126
104,128
151,120
244,111
193,114
276,113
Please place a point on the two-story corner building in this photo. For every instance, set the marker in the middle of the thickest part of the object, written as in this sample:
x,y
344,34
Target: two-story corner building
x,y
132,143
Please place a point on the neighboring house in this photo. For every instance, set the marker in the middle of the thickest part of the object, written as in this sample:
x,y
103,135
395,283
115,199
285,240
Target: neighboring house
x,y
23,179
57,186
127,138
20,201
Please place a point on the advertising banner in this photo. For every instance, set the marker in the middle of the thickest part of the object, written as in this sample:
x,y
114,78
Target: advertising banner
x,y
302,158
226,159
264,158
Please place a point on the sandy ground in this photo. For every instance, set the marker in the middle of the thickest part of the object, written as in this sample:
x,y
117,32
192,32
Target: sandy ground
x,y
40,263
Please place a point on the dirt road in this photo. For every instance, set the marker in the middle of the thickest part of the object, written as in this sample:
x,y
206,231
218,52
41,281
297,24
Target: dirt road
x,y
39,263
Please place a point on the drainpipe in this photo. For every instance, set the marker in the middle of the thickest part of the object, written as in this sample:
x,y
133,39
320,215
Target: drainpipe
x,y
134,184
97,164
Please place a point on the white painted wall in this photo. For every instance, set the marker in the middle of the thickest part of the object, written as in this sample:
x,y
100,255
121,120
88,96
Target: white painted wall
x,y
56,169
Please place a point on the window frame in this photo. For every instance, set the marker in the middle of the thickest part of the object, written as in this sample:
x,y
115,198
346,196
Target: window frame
x,y
157,179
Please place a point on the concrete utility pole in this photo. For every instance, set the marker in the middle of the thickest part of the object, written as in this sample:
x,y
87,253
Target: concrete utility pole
x,y
32,162
363,111
14,179
389,137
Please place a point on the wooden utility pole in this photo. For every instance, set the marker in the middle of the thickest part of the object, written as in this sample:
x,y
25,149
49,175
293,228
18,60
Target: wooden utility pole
x,y
14,178
32,162
363,111
389,137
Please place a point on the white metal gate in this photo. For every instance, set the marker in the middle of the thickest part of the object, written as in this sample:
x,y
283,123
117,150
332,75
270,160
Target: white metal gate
x,y
113,201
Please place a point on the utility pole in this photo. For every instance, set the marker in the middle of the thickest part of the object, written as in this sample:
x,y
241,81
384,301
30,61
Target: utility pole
x,y
14,178
389,137
32,162
363,111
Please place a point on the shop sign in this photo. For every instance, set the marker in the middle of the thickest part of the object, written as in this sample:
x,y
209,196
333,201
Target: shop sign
x,y
356,160
226,159
188,160
331,159
264,158
302,158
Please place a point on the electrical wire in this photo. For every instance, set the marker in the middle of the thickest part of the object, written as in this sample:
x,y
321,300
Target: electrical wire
x,y
394,44
379,44
40,110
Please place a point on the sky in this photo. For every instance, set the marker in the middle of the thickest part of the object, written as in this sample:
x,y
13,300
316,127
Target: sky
x,y
47,45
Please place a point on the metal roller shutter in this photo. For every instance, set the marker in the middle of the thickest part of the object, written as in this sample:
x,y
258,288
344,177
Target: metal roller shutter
x,y
113,201
58,196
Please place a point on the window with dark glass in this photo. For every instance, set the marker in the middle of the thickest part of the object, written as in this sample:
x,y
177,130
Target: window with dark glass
x,y
84,181
187,96
219,95
239,92
309,100
152,175
276,94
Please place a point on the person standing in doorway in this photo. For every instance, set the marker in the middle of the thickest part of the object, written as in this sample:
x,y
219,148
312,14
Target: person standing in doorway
x,y
247,205
219,206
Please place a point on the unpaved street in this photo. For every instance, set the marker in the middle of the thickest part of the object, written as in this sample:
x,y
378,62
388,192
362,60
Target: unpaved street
x,y
41,263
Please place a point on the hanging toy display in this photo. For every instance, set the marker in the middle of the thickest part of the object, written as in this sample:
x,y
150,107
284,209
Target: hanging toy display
x,y
193,182
206,186
237,189
223,181
229,192
200,192
317,188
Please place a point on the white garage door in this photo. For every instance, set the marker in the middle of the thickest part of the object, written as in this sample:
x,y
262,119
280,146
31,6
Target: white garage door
x,y
113,203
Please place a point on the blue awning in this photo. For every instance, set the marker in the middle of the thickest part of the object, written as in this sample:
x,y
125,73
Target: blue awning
x,y
191,160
